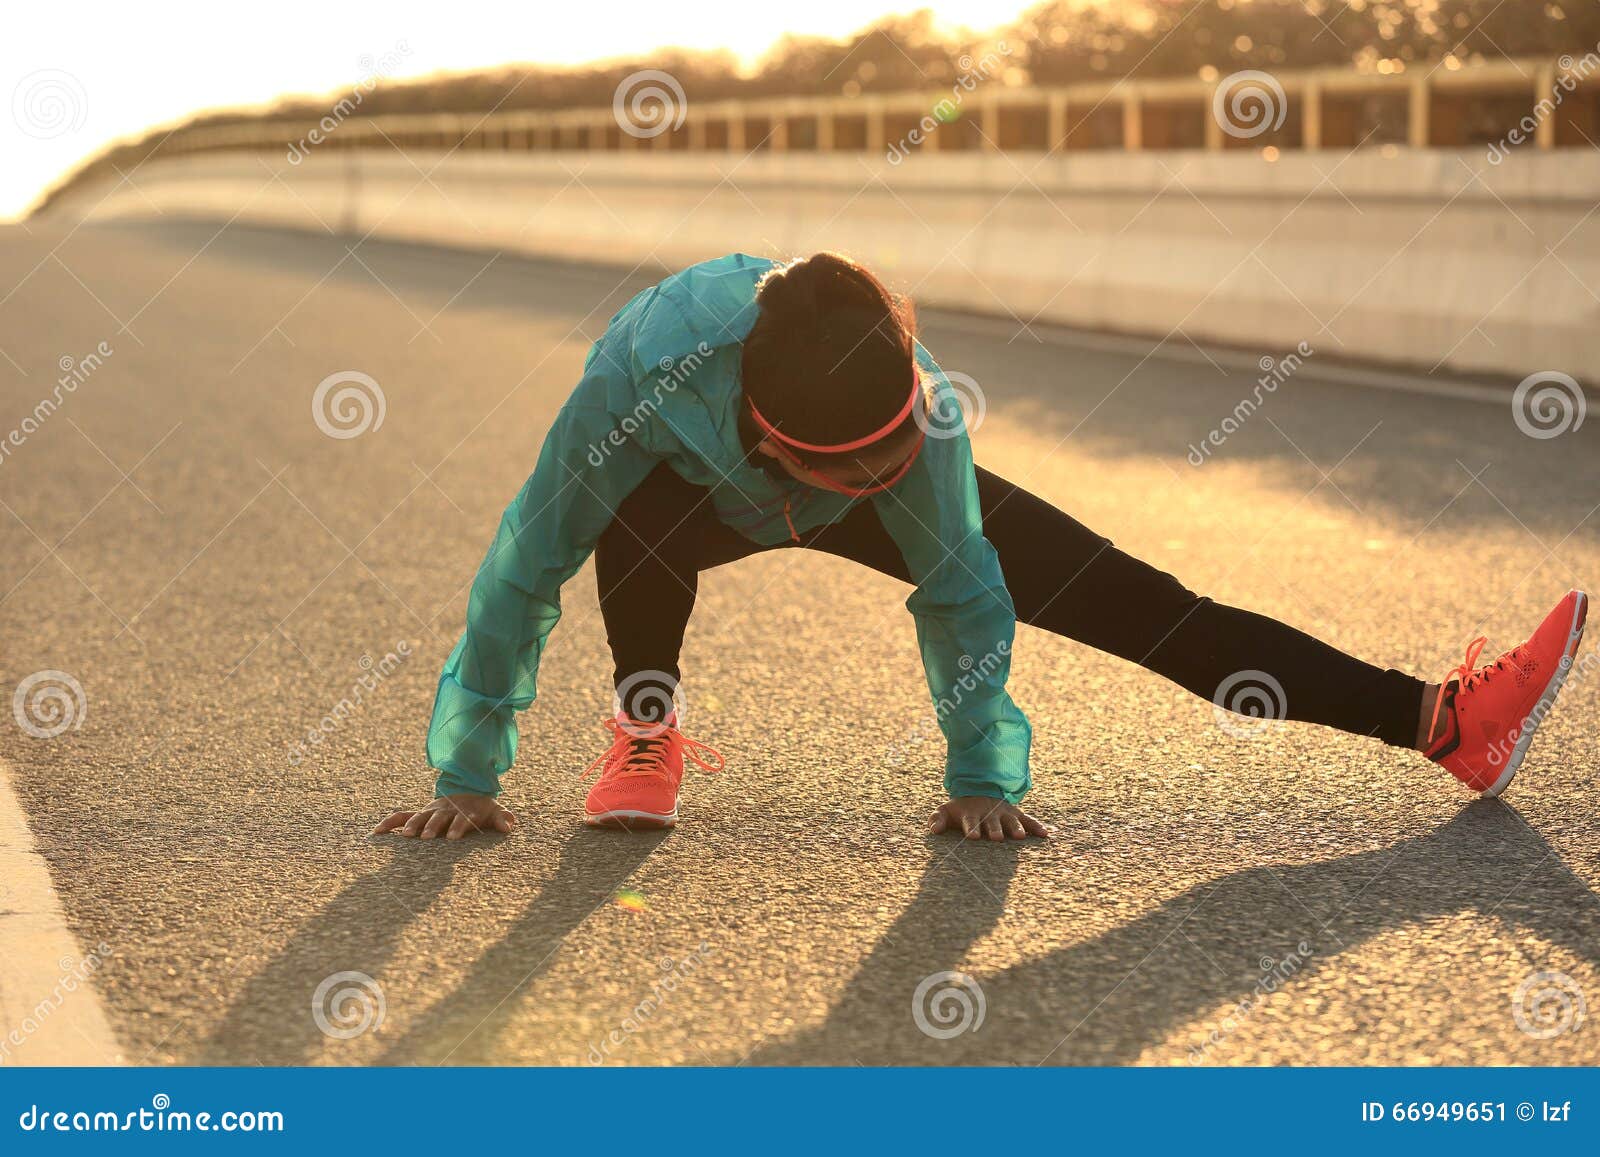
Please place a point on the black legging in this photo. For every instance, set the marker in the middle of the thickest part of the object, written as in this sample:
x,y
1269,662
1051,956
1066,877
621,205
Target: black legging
x,y
1061,575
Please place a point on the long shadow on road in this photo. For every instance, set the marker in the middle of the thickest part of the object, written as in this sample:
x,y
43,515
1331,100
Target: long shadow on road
x,y
358,930
1106,1000
462,1026
1103,1001
362,927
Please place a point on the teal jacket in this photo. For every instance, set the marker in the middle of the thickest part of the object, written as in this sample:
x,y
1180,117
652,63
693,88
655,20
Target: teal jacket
x,y
662,385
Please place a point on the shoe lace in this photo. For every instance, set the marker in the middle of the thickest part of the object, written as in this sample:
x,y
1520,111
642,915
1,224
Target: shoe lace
x,y
1472,675
642,748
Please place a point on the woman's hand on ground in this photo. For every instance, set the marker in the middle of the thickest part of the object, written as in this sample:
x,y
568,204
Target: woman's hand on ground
x,y
978,817
451,816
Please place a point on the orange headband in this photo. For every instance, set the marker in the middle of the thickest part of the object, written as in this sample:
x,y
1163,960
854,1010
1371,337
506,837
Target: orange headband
x,y
843,447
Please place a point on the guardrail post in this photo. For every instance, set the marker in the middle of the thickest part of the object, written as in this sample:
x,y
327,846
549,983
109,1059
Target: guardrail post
x,y
736,121
1418,114
989,114
877,139
1544,87
1056,122
1214,141
1132,122
1311,115
825,136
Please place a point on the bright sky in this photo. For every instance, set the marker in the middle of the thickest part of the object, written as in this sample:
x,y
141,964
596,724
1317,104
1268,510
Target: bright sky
x,y
82,73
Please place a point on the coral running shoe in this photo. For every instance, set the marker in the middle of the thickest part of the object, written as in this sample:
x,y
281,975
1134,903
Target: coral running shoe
x,y
1494,710
640,774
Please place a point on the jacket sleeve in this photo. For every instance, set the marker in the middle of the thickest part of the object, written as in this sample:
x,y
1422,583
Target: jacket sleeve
x,y
965,618
593,457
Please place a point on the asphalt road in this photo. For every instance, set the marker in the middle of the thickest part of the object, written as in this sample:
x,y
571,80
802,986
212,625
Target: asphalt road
x,y
184,541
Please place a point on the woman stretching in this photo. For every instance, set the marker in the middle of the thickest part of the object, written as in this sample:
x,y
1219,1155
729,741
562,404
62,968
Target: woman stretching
x,y
742,406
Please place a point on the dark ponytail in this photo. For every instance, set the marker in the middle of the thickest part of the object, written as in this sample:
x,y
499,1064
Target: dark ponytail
x,y
831,356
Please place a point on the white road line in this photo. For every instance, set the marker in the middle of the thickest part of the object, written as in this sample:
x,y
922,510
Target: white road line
x,y
50,1013
1397,381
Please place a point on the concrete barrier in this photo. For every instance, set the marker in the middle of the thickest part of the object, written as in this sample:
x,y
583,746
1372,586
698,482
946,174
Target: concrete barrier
x,y
1418,257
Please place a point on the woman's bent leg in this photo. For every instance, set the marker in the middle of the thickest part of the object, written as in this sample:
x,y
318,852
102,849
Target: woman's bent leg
x,y
647,566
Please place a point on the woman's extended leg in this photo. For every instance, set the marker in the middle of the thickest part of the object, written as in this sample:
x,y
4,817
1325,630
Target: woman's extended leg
x,y
1067,579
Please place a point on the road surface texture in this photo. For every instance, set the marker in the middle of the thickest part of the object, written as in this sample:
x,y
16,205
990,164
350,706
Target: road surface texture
x,y
216,573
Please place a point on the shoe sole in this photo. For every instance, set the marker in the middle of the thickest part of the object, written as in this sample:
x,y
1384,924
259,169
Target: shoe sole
x,y
629,821
1540,709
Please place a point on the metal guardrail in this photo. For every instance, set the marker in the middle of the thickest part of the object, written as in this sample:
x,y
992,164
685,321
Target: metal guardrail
x,y
1552,103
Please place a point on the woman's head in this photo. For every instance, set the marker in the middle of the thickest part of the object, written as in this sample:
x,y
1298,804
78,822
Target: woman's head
x,y
830,363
